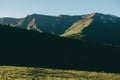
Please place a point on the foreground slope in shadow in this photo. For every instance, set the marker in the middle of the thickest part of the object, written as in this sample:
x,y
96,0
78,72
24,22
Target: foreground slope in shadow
x,y
21,47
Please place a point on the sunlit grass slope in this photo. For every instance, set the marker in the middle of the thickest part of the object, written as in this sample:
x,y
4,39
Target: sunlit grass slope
x,y
30,73
78,26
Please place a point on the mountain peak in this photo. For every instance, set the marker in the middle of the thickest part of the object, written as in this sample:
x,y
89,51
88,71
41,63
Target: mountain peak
x,y
89,15
94,14
35,15
109,15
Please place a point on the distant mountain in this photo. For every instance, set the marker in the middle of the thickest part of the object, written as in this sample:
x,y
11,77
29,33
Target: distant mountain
x,y
48,24
96,27
8,20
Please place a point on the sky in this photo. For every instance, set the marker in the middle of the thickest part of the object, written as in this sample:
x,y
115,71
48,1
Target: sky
x,y
22,8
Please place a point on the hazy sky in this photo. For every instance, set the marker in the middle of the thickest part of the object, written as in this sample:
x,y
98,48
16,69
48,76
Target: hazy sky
x,y
21,8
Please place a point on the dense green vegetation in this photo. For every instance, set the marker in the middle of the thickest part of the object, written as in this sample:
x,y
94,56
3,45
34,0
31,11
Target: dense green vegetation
x,y
21,47
30,73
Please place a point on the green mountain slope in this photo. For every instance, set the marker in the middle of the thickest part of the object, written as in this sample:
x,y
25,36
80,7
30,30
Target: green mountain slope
x,y
48,24
98,28
77,27
94,27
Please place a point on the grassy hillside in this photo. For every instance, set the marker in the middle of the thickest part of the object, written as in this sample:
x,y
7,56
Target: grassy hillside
x,y
77,28
30,73
20,47
96,27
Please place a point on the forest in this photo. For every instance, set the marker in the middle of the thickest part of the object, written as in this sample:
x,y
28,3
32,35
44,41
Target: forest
x,y
21,47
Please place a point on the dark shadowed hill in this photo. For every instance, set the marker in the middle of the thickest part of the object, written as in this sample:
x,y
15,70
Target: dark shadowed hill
x,y
30,48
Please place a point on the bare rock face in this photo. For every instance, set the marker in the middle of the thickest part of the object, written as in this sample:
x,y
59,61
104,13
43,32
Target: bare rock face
x,y
32,26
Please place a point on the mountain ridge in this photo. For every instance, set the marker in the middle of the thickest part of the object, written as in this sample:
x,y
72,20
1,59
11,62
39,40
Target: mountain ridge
x,y
103,29
94,26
